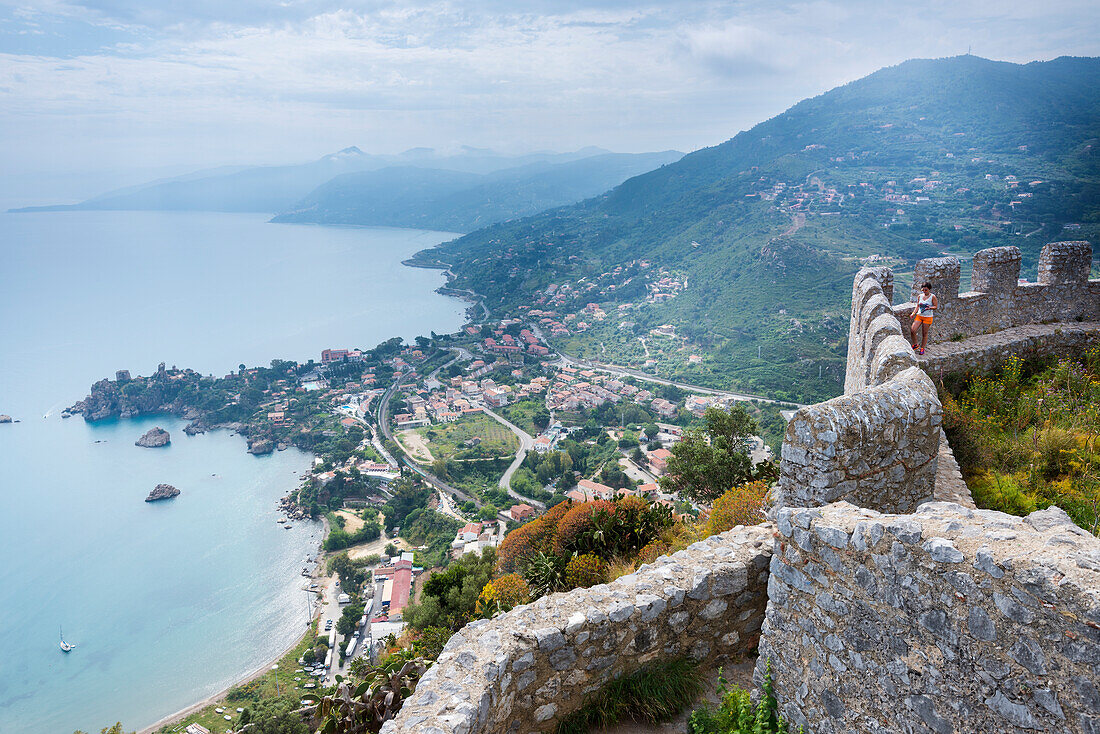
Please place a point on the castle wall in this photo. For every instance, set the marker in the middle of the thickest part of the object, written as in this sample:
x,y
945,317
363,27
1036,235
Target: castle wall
x,y
877,445
946,620
524,670
1063,292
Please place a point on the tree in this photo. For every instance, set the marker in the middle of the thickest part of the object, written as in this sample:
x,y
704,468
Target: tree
x,y
651,431
705,464
391,549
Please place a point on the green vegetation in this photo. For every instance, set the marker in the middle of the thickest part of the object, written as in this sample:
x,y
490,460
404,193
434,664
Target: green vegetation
x,y
1027,437
531,415
475,436
448,599
426,527
364,708
338,539
651,695
736,713
706,463
767,229
478,478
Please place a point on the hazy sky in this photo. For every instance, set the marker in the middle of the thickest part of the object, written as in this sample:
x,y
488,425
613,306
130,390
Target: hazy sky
x,y
151,84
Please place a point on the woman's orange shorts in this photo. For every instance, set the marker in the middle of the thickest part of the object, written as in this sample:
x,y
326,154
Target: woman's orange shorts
x,y
923,319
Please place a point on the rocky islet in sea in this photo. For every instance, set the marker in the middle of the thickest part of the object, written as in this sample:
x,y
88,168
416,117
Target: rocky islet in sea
x,y
162,492
154,438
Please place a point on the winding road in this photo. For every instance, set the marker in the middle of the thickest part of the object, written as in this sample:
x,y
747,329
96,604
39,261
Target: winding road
x,y
526,443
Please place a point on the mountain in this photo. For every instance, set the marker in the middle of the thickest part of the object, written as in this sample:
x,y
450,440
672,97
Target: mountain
x,y
274,189
460,201
744,251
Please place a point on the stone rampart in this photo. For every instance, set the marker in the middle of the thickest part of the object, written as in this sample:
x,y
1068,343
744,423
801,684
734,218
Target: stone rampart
x,y
524,670
877,445
946,620
998,301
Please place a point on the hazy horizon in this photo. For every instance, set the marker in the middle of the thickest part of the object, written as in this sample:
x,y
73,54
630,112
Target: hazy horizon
x,y
96,94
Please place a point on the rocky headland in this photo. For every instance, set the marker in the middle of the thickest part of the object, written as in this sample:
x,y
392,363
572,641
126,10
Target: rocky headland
x,y
154,438
162,492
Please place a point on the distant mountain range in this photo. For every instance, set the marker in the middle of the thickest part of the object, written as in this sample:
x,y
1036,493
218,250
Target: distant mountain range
x,y
418,188
747,249
462,201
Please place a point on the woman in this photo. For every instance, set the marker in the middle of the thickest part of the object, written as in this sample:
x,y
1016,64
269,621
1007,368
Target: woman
x,y
922,316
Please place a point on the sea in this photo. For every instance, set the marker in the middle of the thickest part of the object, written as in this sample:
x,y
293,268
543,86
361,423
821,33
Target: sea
x,y
167,602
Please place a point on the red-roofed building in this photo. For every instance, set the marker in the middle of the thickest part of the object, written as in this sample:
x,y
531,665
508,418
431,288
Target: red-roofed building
x,y
658,460
521,513
402,586
332,355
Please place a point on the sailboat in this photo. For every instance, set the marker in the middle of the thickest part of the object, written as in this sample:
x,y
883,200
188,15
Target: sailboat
x,y
65,646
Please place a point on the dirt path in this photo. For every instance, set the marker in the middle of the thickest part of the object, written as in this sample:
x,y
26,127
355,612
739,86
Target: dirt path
x,y
415,444
797,223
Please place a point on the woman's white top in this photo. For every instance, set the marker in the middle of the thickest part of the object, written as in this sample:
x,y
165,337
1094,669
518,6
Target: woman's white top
x,y
924,304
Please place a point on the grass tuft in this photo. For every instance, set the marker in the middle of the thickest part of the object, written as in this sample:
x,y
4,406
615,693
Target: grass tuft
x,y
650,695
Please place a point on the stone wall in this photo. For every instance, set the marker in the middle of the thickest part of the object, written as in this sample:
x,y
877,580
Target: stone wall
x,y
985,353
524,670
1062,293
946,620
877,445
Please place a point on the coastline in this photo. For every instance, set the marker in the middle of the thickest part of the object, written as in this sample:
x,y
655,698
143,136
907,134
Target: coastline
x,y
215,697
256,672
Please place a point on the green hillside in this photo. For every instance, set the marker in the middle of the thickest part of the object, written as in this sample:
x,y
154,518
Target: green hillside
x,y
756,239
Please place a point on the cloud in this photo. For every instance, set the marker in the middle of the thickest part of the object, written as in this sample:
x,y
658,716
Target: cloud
x,y
253,80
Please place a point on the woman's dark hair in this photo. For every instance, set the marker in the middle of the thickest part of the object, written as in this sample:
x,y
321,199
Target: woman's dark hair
x,y
926,285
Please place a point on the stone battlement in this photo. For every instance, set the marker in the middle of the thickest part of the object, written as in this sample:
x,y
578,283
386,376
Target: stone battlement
x,y
524,670
877,445
998,301
946,619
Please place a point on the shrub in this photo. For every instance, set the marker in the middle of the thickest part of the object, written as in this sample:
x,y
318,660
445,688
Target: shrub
x,y
736,713
1003,492
584,571
527,540
742,505
1057,449
503,594
576,526
545,573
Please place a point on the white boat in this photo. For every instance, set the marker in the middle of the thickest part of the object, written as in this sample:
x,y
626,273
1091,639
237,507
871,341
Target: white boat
x,y
65,646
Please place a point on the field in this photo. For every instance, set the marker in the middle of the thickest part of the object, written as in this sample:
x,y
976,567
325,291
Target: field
x,y
456,440
522,412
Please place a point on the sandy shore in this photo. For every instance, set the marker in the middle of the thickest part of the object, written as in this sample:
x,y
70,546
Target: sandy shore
x,y
173,718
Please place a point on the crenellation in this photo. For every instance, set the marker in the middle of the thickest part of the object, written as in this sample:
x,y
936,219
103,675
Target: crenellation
x,y
996,270
999,301
941,272
1065,263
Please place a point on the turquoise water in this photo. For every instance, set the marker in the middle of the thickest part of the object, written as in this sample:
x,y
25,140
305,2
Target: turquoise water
x,y
168,602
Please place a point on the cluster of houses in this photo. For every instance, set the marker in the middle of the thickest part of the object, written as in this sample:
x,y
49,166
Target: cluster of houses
x,y
463,395
572,389
475,537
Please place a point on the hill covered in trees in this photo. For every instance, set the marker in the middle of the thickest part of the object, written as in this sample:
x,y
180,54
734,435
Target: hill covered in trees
x,y
744,252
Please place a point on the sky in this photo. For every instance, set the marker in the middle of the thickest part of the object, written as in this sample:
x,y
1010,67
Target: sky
x,y
118,91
